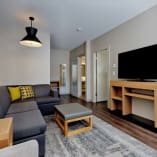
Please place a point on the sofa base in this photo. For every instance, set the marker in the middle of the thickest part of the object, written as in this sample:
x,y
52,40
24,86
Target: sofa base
x,y
47,109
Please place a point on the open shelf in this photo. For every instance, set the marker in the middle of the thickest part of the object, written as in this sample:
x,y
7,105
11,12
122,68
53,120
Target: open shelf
x,y
142,96
122,92
117,98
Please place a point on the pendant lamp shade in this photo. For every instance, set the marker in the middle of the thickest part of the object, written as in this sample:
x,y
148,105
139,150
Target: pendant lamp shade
x,y
30,39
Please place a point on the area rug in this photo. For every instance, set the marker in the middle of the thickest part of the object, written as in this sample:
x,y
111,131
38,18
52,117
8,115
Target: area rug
x,y
103,141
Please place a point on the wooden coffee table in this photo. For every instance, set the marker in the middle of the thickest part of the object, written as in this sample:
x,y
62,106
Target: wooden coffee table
x,y
73,112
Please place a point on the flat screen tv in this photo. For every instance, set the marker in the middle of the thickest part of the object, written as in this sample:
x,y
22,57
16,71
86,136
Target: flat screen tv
x,y
139,64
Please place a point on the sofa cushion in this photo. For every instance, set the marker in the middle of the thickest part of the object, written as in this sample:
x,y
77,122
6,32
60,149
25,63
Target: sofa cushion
x,y
46,100
27,124
22,107
73,110
4,100
42,90
25,100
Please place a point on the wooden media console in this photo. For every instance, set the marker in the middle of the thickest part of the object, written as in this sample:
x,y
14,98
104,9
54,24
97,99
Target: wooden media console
x,y
121,93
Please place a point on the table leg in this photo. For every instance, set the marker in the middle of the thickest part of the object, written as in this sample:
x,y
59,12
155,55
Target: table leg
x,y
65,128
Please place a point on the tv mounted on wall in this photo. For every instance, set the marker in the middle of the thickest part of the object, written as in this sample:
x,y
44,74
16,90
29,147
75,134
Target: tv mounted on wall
x,y
139,64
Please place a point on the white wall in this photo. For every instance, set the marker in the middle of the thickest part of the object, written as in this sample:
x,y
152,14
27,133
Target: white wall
x,y
138,32
19,64
59,57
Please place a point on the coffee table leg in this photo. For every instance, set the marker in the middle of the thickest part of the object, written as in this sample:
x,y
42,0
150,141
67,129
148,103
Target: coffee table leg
x,y
65,128
90,122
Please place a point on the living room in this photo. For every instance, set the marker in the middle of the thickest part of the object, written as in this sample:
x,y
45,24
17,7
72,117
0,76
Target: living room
x,y
133,26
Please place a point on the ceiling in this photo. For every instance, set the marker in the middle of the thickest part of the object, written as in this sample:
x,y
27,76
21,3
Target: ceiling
x,y
71,22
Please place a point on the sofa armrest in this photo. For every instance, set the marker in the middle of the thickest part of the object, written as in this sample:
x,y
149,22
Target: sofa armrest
x,y
54,92
26,149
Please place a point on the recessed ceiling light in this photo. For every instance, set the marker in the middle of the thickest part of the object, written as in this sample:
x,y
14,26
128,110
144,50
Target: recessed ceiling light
x,y
79,29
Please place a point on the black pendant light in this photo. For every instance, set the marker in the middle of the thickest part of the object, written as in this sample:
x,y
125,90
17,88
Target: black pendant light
x,y
30,39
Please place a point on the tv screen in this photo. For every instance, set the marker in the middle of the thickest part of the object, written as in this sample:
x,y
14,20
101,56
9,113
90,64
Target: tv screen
x,y
138,64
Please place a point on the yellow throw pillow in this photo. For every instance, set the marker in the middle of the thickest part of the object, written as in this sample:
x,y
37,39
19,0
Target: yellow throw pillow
x,y
14,93
26,92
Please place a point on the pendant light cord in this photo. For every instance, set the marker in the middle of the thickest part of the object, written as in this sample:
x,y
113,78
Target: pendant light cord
x,y
31,19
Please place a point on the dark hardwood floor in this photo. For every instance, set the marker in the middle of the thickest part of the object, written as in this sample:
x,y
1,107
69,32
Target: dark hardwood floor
x,y
100,110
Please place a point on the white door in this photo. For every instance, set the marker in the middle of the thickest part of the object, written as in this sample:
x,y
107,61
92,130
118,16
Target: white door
x,y
101,68
74,80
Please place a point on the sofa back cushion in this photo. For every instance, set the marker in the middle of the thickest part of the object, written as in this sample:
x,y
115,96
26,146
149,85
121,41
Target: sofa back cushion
x,y
4,101
42,90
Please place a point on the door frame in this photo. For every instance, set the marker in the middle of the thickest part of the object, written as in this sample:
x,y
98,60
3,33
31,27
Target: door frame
x,y
79,74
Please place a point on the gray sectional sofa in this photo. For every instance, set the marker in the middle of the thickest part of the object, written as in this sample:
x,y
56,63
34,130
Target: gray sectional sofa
x,y
28,121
